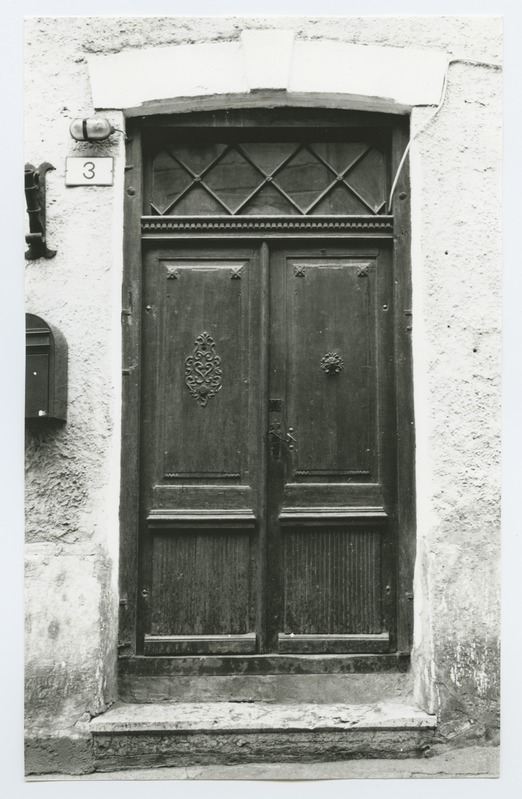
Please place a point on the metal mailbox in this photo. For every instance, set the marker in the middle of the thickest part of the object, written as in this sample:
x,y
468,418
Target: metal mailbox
x,y
45,372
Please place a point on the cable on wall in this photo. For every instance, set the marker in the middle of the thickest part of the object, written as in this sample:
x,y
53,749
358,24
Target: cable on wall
x,y
436,111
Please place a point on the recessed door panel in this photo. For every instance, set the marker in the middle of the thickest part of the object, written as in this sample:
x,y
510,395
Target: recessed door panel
x,y
202,379
332,581
331,366
202,582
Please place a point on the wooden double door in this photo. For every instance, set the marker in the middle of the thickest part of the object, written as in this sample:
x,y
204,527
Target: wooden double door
x,y
268,448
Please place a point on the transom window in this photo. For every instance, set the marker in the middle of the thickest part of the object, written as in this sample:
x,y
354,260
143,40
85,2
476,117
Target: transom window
x,y
269,177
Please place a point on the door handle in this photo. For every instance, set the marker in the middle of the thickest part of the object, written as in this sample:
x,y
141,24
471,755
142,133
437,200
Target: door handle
x,y
277,438
290,440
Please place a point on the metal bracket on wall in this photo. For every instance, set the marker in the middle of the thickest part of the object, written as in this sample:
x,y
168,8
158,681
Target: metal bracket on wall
x,y
34,184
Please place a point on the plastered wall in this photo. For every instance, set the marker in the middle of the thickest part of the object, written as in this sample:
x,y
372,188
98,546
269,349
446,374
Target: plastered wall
x,y
72,477
457,287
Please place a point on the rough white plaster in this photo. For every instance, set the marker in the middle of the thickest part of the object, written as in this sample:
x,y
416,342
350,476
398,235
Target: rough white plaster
x,y
422,655
456,304
66,657
72,475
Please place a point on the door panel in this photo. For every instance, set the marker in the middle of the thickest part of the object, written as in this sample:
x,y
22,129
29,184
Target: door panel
x,y
268,444
330,484
200,441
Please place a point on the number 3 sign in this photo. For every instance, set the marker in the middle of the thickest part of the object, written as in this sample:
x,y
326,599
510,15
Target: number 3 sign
x,y
89,171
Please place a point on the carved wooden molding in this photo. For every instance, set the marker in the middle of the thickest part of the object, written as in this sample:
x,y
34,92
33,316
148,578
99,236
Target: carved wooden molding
x,y
171,226
325,517
333,644
200,644
197,518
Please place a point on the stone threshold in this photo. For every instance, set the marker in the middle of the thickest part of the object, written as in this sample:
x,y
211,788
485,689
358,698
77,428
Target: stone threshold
x,y
259,717
130,736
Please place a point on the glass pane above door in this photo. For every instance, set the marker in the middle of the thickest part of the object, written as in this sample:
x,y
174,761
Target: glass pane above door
x,y
289,178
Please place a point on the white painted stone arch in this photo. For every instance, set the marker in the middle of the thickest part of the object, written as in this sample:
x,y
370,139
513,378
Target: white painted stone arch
x,y
267,68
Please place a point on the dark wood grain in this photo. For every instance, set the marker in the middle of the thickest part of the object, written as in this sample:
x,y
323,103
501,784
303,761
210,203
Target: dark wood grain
x,y
201,452
337,301
333,644
403,321
129,636
251,120
261,388
201,584
188,644
332,582
331,310
261,664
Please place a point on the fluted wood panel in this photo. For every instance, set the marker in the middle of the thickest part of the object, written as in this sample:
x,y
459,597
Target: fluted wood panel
x,y
332,582
201,584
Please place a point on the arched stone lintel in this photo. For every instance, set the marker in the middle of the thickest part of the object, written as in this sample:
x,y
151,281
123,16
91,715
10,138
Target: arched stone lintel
x,y
265,99
267,68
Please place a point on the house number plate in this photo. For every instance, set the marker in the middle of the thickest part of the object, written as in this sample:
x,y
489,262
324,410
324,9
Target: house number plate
x,y
87,171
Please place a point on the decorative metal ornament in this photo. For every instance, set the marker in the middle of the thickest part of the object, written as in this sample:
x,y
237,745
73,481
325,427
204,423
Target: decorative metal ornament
x,y
332,363
34,183
202,372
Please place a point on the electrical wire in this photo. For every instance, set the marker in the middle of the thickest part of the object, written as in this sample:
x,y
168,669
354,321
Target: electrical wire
x,y
430,118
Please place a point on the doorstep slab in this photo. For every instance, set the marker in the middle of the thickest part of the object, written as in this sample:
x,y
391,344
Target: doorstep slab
x,y
258,716
224,733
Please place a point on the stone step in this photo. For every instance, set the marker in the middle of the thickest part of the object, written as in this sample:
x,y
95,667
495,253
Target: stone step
x,y
194,733
284,689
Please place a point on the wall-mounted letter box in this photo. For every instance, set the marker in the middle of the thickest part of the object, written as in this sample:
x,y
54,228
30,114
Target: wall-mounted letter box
x,y
45,372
